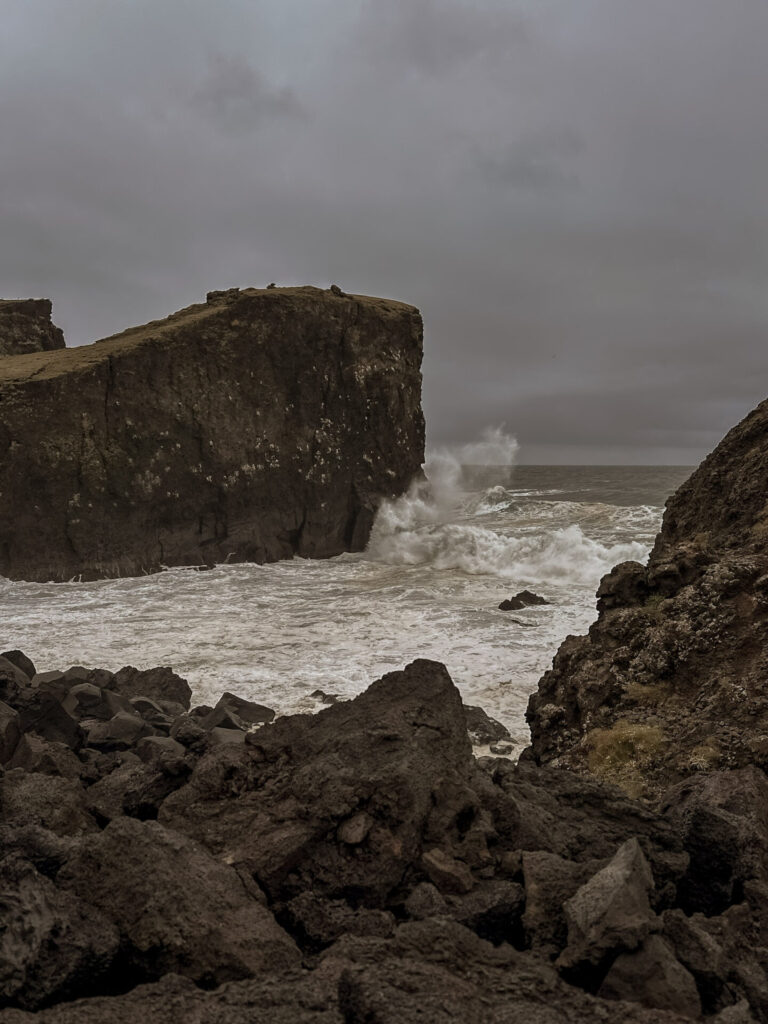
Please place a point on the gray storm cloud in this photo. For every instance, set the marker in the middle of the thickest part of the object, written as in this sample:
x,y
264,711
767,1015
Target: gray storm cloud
x,y
576,195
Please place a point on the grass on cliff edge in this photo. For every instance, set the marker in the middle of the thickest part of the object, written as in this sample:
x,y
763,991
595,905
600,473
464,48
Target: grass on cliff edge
x,y
622,753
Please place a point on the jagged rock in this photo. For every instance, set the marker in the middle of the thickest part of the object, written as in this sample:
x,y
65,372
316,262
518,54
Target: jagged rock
x,y
502,749
12,681
136,790
611,912
625,586
399,752
197,917
425,901
493,911
57,804
723,819
654,977
154,715
439,972
702,955
223,718
223,736
336,819
163,749
323,697
35,754
41,712
550,881
246,711
21,661
264,426
525,599
316,923
158,684
159,709
293,998
37,845
53,946
85,700
25,326
354,830
670,680
581,819
447,873
482,728
121,732
54,683
10,732
190,733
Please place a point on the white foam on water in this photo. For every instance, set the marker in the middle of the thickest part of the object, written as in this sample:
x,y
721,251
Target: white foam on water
x,y
440,561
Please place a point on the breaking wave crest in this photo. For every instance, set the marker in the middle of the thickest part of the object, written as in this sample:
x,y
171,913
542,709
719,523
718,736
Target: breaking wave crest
x,y
429,525
450,474
564,555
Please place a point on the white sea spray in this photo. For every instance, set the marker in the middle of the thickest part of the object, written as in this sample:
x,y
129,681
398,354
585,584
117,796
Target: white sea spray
x,y
439,563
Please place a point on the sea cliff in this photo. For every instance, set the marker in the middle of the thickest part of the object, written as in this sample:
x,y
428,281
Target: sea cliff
x,y
671,679
259,425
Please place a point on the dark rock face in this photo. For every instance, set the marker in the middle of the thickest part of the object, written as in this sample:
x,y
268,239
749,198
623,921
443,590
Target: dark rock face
x,y
482,728
204,923
525,599
260,425
359,866
379,774
670,680
25,326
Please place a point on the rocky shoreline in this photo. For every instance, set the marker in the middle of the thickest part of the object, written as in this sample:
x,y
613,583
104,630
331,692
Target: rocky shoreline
x,y
162,862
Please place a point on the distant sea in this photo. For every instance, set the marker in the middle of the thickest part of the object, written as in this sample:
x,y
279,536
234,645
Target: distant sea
x,y
439,562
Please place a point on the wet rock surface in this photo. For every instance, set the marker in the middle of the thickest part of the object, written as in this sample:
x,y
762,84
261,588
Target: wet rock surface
x,y
360,865
259,425
670,680
525,599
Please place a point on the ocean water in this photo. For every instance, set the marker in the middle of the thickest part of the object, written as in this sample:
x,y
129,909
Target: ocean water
x,y
439,562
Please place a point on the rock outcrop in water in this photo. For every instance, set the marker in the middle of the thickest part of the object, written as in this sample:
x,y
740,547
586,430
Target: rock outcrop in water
x,y
257,426
671,680
357,866
25,326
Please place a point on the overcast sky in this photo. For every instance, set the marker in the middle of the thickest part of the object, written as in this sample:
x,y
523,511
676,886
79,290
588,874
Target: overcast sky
x,y
574,192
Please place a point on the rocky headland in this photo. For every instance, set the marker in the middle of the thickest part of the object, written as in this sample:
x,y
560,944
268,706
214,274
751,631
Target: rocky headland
x,y
670,682
256,426
25,326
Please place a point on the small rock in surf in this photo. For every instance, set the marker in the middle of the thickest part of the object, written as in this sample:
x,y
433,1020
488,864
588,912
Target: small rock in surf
x,y
525,599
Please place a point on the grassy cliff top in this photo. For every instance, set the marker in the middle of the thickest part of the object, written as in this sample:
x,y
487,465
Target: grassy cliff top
x,y
41,365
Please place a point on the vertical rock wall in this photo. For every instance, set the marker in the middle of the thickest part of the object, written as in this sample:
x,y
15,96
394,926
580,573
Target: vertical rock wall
x,y
257,426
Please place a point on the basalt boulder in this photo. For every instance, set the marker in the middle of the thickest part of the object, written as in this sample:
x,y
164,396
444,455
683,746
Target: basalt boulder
x,y
176,908
345,801
259,425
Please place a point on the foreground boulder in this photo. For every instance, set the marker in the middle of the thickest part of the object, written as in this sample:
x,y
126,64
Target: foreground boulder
x,y
360,865
25,326
670,680
340,802
256,426
195,915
